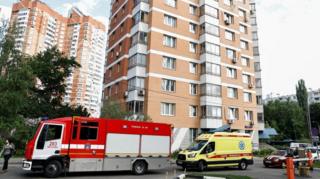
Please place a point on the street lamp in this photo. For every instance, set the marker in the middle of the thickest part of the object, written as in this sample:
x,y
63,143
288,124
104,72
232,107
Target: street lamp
x,y
308,116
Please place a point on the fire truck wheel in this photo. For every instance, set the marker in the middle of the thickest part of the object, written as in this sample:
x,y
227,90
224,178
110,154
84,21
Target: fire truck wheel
x,y
243,165
139,167
53,169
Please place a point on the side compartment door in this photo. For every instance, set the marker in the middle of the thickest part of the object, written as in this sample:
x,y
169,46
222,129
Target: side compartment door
x,y
86,149
49,141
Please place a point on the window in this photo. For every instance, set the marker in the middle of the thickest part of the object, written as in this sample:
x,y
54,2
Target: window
x,y
136,107
231,72
228,19
139,37
246,79
231,54
208,10
211,68
168,109
141,16
136,83
245,61
229,35
193,89
255,35
232,92
247,97
242,13
248,115
259,100
244,44
193,68
172,3
192,47
192,9
209,148
233,113
168,85
210,48
116,86
243,29
211,111
192,28
118,67
169,63
253,21
255,51
258,83
89,131
227,2
210,29
210,90
260,117
257,67
193,111
170,21
48,132
138,59
169,41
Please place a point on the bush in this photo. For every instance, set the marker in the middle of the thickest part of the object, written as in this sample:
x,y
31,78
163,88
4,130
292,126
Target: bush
x,y
174,154
262,152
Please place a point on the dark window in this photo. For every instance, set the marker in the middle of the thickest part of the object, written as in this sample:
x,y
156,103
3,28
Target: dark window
x,y
74,133
89,131
209,148
49,132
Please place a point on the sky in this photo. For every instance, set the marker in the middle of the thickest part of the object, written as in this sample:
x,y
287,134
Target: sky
x,y
289,33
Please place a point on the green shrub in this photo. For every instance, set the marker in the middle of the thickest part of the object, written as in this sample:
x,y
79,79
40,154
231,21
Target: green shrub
x,y
174,154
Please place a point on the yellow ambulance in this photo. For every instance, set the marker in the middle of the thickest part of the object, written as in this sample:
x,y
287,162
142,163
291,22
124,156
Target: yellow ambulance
x,y
220,149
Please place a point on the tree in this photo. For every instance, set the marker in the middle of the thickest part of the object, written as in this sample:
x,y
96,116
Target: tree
x,y
112,109
287,118
315,114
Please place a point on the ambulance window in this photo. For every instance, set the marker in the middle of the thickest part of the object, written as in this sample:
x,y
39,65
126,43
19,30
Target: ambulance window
x,y
89,131
210,147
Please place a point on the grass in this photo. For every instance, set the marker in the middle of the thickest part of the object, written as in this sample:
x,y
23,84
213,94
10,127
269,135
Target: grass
x,y
218,175
316,164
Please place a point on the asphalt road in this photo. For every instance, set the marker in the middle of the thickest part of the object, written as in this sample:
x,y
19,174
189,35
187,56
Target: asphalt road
x,y
256,171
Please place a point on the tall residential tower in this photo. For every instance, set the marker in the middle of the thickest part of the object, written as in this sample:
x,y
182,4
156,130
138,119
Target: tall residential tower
x,y
82,37
189,63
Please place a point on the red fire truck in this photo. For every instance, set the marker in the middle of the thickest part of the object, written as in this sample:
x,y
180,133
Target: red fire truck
x,y
81,144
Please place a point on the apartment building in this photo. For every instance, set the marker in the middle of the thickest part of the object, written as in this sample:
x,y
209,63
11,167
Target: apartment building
x,y
188,63
257,67
313,97
82,37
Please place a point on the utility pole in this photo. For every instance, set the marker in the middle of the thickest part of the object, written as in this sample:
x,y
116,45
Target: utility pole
x,y
308,117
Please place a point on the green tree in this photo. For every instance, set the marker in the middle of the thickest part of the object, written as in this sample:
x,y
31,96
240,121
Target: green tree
x,y
287,118
112,109
315,114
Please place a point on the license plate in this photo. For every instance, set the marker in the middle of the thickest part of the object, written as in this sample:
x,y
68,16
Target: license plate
x,y
268,161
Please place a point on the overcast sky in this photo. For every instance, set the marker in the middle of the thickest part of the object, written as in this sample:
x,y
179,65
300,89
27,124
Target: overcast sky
x,y
289,33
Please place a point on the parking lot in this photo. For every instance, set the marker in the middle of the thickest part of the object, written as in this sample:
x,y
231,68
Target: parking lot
x,y
257,171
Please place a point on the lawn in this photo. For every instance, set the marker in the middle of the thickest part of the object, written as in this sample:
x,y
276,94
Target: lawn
x,y
316,164
218,175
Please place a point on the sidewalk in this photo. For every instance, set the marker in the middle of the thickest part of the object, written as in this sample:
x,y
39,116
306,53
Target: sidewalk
x,y
13,160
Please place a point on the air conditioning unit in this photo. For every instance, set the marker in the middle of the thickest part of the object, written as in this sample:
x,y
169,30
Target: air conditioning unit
x,y
250,85
126,93
230,121
234,60
141,93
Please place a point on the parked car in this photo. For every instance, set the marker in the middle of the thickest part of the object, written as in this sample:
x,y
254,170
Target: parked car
x,y
276,159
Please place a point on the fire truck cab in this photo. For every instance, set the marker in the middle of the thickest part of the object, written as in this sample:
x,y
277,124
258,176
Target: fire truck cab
x,y
81,144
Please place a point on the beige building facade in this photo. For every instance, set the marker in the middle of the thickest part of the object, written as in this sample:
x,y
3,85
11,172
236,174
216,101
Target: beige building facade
x,y
39,27
188,63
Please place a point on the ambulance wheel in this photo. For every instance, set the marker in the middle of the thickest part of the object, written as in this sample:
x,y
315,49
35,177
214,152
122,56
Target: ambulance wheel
x,y
201,166
243,165
52,169
139,167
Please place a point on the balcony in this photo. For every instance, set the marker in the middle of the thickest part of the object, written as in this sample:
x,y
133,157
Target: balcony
x,y
209,19
140,26
206,99
213,3
210,123
208,57
138,48
209,78
206,37
135,95
142,5
136,71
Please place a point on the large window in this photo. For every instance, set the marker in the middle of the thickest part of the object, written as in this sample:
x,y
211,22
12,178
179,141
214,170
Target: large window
x,y
211,68
168,109
136,83
168,85
208,10
211,111
141,16
210,48
170,20
232,92
136,107
210,90
169,41
210,29
169,63
172,3
248,115
139,37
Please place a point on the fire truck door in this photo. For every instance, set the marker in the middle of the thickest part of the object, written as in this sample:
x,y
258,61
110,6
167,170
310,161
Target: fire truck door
x,y
49,141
